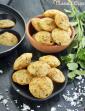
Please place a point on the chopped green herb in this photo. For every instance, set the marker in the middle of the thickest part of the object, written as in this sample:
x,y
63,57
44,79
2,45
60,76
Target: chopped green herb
x,y
75,58
72,66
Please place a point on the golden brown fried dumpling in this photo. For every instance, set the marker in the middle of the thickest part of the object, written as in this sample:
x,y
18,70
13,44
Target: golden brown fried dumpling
x,y
47,24
22,77
23,61
8,39
51,13
61,37
6,23
56,75
62,21
51,60
38,68
35,23
43,37
41,87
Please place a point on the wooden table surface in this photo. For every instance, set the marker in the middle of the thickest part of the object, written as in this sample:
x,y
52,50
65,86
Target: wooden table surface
x,y
29,9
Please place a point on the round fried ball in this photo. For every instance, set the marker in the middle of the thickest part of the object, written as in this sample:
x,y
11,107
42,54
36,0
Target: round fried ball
x,y
51,13
47,24
56,75
8,39
38,68
35,23
61,37
23,61
22,77
51,60
43,37
62,21
41,87
6,23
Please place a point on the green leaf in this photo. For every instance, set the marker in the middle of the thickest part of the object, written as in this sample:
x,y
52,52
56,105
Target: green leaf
x,y
80,72
77,47
68,58
72,66
74,45
71,75
82,64
82,43
73,23
81,54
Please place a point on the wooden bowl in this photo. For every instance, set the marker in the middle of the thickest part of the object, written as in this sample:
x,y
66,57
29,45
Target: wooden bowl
x,y
43,47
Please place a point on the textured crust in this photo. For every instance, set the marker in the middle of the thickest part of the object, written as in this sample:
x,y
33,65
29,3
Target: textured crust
x,y
47,24
35,23
56,75
6,23
51,60
69,31
43,37
22,77
61,37
38,68
51,13
41,87
8,39
62,21
23,61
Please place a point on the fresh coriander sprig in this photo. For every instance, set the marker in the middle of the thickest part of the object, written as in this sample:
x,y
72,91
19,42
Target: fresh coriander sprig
x,y
75,58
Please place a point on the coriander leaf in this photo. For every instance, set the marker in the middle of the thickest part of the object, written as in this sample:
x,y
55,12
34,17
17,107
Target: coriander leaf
x,y
73,23
78,44
74,45
82,16
74,9
68,58
72,66
71,75
82,43
81,54
80,72
82,64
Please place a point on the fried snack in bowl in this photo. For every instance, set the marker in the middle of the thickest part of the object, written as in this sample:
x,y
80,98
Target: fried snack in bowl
x,y
22,77
23,61
6,23
35,23
51,13
51,60
43,37
61,37
68,31
40,80
41,87
38,68
62,21
47,24
8,39
56,75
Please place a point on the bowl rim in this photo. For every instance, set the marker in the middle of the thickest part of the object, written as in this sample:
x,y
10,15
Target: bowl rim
x,y
15,46
41,44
